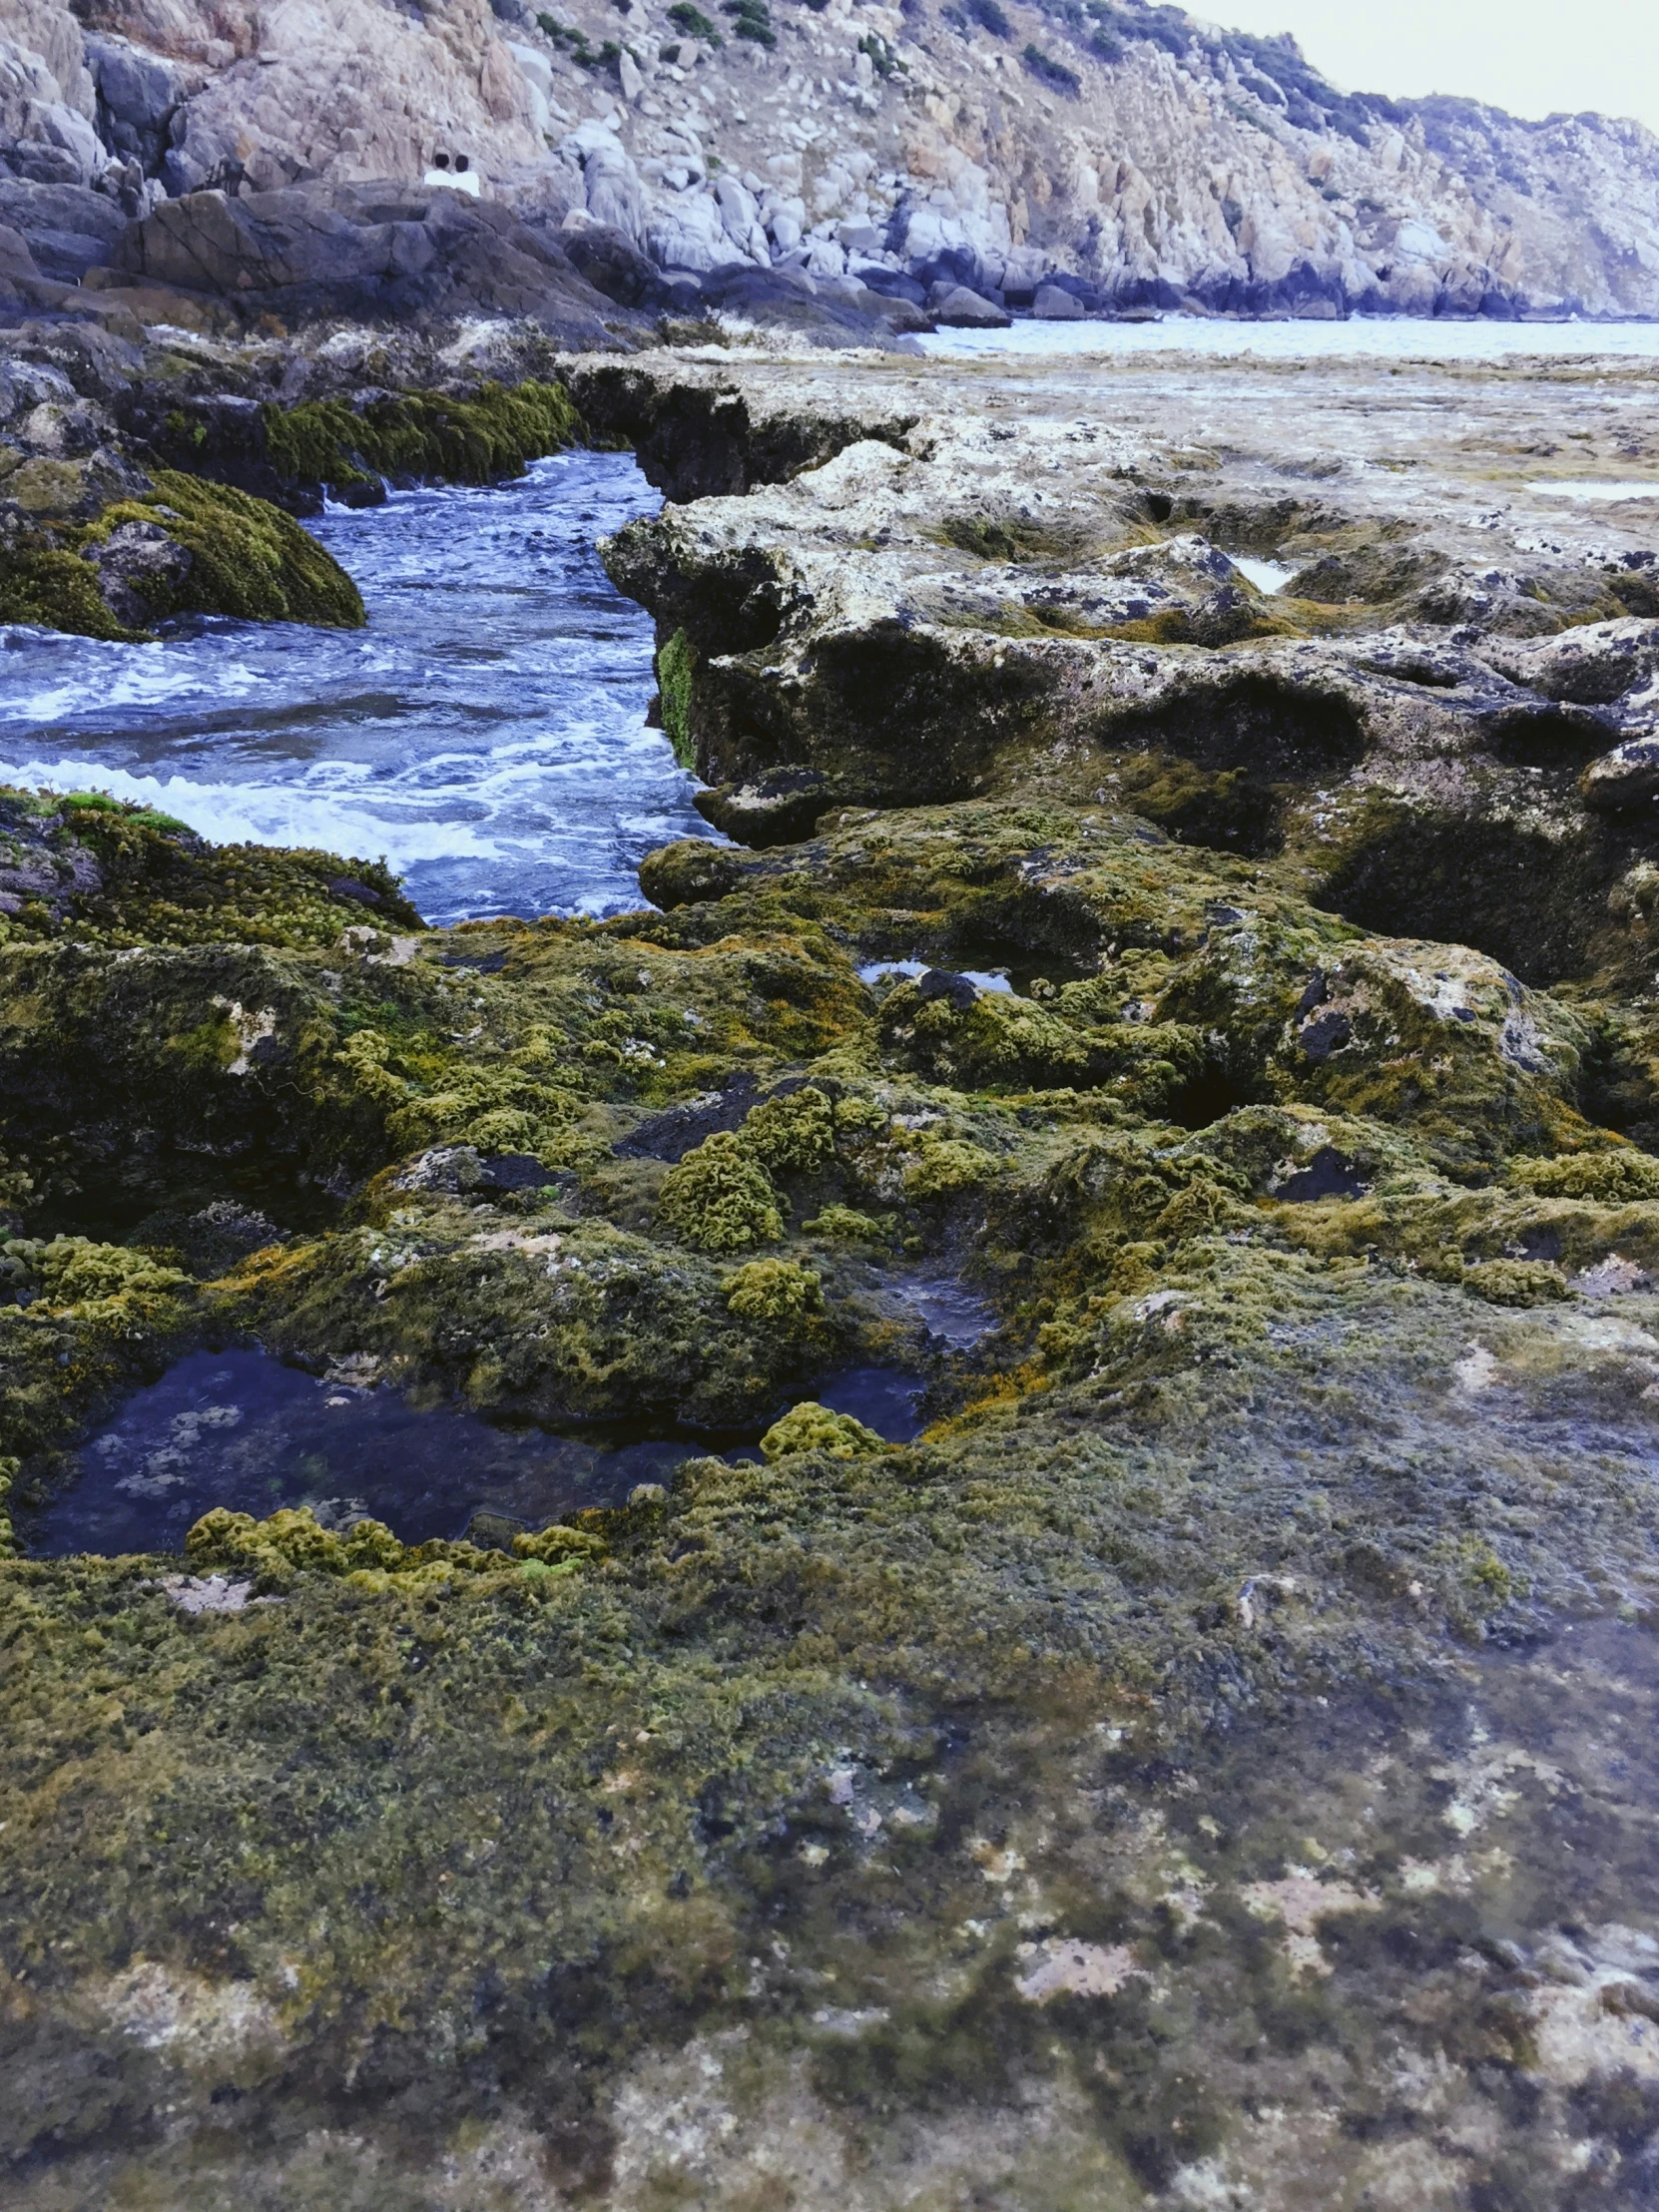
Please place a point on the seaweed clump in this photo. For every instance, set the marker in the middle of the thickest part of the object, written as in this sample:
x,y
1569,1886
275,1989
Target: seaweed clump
x,y
810,1427
409,436
719,1199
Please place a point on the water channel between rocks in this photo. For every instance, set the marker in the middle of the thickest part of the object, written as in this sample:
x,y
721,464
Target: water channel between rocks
x,y
485,732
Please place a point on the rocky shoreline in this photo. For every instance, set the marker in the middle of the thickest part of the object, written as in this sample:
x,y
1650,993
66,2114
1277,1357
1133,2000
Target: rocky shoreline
x,y
1248,995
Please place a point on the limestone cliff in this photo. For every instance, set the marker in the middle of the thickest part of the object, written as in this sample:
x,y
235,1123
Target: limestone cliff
x,y
1139,156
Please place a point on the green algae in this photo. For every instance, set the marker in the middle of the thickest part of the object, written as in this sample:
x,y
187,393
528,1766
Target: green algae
x,y
676,666
779,1292
248,560
812,1427
56,590
413,435
792,1134
720,1199
1293,1386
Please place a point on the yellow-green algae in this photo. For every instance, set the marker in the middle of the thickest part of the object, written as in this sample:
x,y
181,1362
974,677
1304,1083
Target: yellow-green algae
x,y
472,440
248,560
462,1838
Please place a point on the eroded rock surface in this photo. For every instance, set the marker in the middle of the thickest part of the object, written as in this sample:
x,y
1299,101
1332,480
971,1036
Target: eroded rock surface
x,y
1206,1036
835,1817
1019,582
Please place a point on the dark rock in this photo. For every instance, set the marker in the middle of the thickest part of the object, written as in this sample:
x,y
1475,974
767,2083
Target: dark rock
x,y
141,572
138,94
371,253
347,886
614,266
211,1240
69,228
1626,777
672,1135
784,300
480,963
958,991
1323,1034
21,282
776,808
95,363
957,308
1051,305
891,284
517,1171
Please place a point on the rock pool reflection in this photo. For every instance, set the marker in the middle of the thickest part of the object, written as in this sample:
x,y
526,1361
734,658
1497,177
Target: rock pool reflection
x,y
240,1429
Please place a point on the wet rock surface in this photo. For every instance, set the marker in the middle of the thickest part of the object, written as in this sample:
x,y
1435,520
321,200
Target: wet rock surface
x,y
1124,1245
1014,584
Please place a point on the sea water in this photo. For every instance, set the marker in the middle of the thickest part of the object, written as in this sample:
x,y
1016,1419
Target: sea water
x,y
1359,337
485,734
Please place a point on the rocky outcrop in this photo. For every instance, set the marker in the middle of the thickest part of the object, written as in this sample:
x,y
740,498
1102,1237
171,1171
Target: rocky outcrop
x,y
359,254
1033,157
94,540
1446,713
755,1819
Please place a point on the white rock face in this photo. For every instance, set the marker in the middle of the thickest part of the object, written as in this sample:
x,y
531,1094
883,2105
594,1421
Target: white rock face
x,y
1186,169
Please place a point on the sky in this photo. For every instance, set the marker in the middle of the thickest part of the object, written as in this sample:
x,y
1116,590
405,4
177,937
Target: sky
x,y
1534,57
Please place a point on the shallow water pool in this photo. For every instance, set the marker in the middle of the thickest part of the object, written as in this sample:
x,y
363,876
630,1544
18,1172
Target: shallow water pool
x,y
240,1429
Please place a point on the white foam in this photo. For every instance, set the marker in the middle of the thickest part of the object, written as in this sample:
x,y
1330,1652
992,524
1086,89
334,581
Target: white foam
x,y
877,971
272,814
100,677
486,733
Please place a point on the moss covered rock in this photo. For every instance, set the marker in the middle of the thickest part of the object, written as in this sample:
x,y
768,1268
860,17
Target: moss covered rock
x,y
718,1199
247,558
1307,1366
411,436
812,1427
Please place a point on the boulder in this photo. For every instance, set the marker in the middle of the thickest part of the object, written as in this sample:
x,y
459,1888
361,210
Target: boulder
x,y
139,568
69,228
1626,777
139,94
1051,305
778,807
58,146
610,260
961,310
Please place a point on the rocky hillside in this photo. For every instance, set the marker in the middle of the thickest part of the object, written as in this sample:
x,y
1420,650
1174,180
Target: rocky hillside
x,y
1101,152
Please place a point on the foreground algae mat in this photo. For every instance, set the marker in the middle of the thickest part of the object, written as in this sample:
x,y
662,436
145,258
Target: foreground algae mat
x,y
1174,1778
